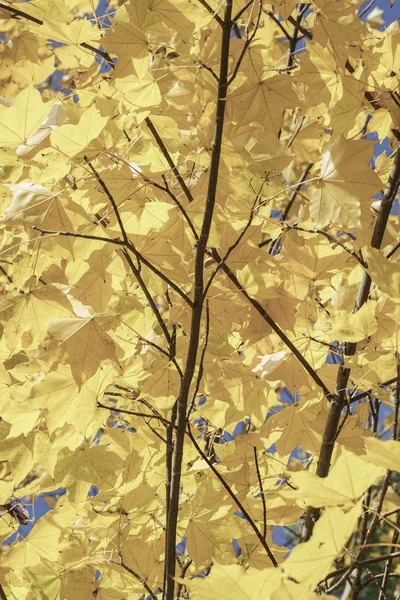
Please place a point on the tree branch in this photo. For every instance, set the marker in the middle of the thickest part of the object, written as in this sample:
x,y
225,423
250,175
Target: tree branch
x,y
240,506
262,494
197,310
136,575
235,244
339,400
278,22
128,259
389,561
130,412
129,245
241,11
19,13
370,561
212,12
168,158
261,311
246,46
182,576
201,362
333,240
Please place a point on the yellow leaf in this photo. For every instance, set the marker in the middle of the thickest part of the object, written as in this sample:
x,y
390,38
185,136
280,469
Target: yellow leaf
x,y
73,139
232,581
347,481
311,561
85,343
27,316
59,395
129,44
143,93
346,180
25,116
263,101
383,453
42,543
353,327
385,273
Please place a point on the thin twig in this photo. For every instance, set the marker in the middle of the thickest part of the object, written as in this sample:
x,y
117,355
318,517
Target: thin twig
x,y
261,493
135,270
179,205
300,27
209,69
331,239
369,561
19,13
132,413
393,250
388,565
246,46
339,399
159,273
127,244
136,575
201,362
366,9
278,22
308,368
198,300
212,12
168,158
182,576
236,243
395,537
242,10
294,136
2,269
233,496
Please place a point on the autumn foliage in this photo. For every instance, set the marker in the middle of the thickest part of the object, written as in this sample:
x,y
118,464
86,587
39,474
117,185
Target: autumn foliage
x,y
200,300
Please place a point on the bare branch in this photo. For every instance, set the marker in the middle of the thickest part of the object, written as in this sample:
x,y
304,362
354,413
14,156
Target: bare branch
x,y
179,205
133,413
209,69
389,561
201,362
278,22
242,11
366,9
393,251
119,242
300,27
370,561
